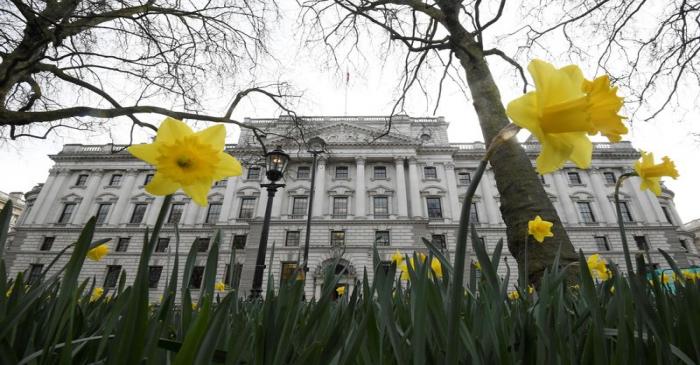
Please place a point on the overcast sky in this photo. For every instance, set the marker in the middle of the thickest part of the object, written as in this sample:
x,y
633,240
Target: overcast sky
x,y
371,91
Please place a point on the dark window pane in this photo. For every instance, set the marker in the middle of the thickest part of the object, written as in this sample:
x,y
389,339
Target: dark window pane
x,y
586,212
139,213
234,280
292,238
123,244
223,182
82,180
148,179
35,273
574,178
102,211
340,207
463,177
602,243
473,214
337,238
176,213
47,243
112,276
684,244
67,212
439,241
610,177
641,242
625,212
430,172
288,271
380,172
299,207
239,241
203,244
341,172
154,276
115,180
196,278
247,208
254,173
381,206
213,213
434,207
667,214
381,238
303,172
162,244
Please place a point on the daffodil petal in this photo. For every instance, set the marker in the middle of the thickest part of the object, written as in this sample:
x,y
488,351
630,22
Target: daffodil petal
x,y
227,166
553,86
198,192
582,149
146,152
172,129
214,135
161,185
553,155
523,112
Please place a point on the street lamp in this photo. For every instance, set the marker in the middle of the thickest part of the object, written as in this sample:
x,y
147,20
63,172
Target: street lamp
x,y
316,146
276,163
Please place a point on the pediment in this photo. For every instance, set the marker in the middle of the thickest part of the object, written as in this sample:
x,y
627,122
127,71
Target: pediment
x,y
347,133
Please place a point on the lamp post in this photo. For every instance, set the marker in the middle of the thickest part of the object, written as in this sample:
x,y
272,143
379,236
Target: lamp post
x,y
316,146
276,162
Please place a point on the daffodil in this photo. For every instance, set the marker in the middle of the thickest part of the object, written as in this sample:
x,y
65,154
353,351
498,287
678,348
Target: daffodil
x,y
220,286
404,271
514,295
194,306
397,258
668,278
598,267
539,229
97,253
563,110
689,275
436,267
477,265
651,173
340,290
96,294
186,159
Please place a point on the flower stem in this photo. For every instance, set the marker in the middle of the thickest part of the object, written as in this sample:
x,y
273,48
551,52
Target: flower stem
x,y
621,224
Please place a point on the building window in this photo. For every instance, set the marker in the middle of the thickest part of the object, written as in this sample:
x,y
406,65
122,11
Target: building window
x,y
439,241
35,273
337,238
223,182
82,180
102,211
203,244
299,207
115,180
247,208
430,172
162,244
610,178
67,212
112,276
154,276
47,243
239,241
586,212
148,179
602,243
434,207
625,211
292,238
139,213
574,178
340,207
641,242
253,173
379,172
213,213
341,172
667,214
123,244
381,206
236,279
684,244
482,240
196,278
464,177
473,214
381,238
288,271
385,266
303,172
176,213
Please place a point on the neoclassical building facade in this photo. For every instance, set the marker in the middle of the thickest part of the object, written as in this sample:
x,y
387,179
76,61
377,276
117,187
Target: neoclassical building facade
x,y
392,189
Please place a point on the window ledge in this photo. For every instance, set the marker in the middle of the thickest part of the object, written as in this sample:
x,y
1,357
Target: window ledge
x,y
111,186
78,187
579,185
341,179
431,179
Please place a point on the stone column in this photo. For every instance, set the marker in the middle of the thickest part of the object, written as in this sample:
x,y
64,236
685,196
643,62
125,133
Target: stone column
x,y
401,198
52,195
124,195
320,188
413,180
656,206
599,190
154,205
40,201
277,202
262,203
360,191
645,205
191,213
563,193
229,199
452,193
488,198
89,196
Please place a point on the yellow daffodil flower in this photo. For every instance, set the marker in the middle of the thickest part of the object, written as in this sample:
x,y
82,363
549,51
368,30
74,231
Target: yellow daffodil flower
x,y
514,295
220,286
598,267
563,110
651,173
436,267
97,253
397,258
96,294
194,306
477,265
340,290
668,278
186,159
404,271
539,229
689,275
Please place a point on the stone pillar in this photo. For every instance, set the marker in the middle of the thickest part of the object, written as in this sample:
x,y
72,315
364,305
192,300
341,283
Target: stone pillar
x,y
632,188
360,191
89,196
413,180
656,206
320,188
191,213
488,198
229,199
401,198
452,192
124,195
277,202
52,195
153,209
563,193
39,204
262,203
599,190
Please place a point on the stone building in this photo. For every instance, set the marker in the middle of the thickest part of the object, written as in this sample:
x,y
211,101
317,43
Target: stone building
x,y
402,187
17,205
